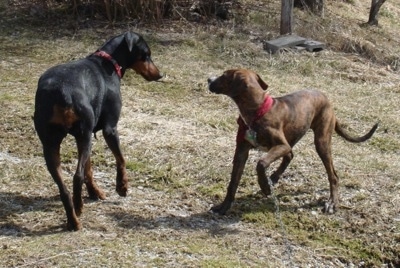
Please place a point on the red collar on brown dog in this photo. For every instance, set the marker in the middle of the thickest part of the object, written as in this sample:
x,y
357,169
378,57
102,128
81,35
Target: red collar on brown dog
x,y
265,107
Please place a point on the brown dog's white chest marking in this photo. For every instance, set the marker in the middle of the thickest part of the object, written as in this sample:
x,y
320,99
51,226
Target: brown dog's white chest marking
x,y
246,132
251,137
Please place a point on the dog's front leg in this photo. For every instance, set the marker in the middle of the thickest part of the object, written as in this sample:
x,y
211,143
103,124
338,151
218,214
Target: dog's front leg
x,y
273,154
285,163
239,162
94,191
112,139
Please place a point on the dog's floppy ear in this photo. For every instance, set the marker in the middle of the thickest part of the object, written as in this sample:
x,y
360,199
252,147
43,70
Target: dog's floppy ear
x,y
261,83
131,39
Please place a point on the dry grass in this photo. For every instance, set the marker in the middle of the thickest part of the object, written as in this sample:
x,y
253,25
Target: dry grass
x,y
179,141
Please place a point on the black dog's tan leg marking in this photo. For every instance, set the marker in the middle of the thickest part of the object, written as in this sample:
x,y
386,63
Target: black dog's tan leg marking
x,y
112,140
51,151
273,154
94,191
239,162
63,116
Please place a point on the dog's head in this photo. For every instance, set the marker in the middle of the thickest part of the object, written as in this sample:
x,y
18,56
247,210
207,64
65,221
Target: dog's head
x,y
130,50
141,55
235,82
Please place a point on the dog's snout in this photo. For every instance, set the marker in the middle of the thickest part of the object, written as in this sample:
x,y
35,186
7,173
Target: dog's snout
x,y
213,84
211,79
160,75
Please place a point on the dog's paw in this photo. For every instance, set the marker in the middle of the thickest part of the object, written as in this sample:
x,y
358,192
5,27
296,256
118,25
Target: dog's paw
x,y
122,191
96,194
275,178
329,207
265,187
122,187
74,225
220,209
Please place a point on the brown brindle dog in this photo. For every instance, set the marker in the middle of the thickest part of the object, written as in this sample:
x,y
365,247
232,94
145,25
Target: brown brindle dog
x,y
275,125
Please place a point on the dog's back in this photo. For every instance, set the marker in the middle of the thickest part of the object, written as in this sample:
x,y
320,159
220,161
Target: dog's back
x,y
72,80
71,91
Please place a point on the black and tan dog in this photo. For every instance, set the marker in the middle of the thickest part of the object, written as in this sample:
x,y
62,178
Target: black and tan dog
x,y
81,98
275,125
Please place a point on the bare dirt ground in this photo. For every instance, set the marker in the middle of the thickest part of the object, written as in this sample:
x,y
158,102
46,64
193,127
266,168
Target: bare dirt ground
x,y
179,140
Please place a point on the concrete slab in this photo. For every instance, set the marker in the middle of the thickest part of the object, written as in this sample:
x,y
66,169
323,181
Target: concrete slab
x,y
293,41
313,46
275,45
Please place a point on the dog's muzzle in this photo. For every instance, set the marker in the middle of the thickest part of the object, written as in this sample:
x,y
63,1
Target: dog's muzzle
x,y
210,81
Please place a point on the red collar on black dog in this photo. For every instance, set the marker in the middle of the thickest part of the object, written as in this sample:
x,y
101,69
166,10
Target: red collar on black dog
x,y
107,56
265,107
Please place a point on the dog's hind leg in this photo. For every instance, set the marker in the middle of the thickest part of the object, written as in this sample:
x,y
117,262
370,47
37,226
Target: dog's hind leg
x,y
322,140
51,151
273,154
112,139
84,144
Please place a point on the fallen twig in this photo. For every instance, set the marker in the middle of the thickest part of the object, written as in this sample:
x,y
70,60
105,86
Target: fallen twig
x,y
57,255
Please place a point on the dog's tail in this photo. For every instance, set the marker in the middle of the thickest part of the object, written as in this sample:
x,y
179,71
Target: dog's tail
x,y
341,132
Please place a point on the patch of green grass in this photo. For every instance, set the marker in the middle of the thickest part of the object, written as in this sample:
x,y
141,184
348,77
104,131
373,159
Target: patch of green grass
x,y
6,97
264,217
307,68
321,232
359,197
347,248
214,190
387,13
136,166
221,262
164,178
353,184
385,144
221,123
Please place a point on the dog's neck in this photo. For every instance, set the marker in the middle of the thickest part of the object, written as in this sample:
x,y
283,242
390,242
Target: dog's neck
x,y
253,109
246,124
107,56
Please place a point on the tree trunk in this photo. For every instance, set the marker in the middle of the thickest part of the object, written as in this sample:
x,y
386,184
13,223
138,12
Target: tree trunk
x,y
373,14
286,17
108,10
319,9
